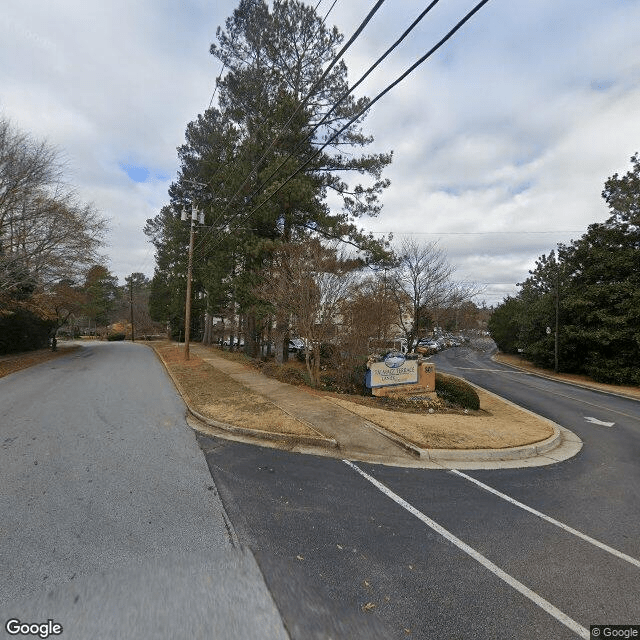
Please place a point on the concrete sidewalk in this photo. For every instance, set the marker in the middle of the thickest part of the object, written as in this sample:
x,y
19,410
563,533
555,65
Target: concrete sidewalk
x,y
359,439
352,434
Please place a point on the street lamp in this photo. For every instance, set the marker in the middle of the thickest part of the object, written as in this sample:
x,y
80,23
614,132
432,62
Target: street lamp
x,y
196,216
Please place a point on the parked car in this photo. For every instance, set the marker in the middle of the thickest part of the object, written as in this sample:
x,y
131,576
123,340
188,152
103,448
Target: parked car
x,y
236,343
427,346
296,345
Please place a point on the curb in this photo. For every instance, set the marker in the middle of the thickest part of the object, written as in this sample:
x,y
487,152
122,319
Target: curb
x,y
436,456
326,443
480,455
396,439
545,376
488,455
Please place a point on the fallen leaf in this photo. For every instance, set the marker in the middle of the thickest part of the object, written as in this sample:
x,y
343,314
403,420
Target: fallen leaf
x,y
368,606
299,557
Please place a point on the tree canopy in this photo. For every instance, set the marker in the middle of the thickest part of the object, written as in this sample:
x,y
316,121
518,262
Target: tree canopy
x,y
239,160
48,239
594,284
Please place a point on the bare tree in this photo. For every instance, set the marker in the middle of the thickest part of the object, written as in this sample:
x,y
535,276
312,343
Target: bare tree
x,y
368,318
46,234
307,283
424,286
422,281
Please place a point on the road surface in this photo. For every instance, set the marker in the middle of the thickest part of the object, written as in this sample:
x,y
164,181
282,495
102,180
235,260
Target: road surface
x,y
123,524
111,525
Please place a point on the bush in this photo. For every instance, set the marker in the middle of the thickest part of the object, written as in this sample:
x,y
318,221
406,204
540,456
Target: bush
x,y
22,330
457,391
328,355
288,373
113,337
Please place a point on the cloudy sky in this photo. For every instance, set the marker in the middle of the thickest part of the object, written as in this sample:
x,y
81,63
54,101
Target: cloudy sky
x,y
502,140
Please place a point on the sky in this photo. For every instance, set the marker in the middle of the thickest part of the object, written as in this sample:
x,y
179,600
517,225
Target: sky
x,y
502,140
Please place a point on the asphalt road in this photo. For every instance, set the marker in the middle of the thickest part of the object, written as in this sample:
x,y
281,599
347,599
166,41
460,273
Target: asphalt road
x,y
119,526
431,554
111,525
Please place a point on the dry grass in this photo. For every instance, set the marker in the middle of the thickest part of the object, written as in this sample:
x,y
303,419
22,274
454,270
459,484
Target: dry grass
x,y
219,397
18,361
497,426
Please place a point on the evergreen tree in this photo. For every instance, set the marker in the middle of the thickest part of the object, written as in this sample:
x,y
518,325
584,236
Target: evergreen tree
x,y
593,285
239,154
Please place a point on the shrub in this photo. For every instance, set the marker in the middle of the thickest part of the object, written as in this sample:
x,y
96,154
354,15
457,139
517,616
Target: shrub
x,y
112,337
457,391
22,330
288,373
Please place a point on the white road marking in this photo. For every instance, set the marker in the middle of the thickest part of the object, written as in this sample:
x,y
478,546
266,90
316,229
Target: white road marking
x,y
600,422
557,523
485,562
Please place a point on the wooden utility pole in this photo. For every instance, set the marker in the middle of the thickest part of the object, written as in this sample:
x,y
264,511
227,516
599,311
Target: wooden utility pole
x,y
195,217
187,313
133,339
557,317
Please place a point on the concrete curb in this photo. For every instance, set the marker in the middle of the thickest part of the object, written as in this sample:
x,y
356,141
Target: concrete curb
x,y
272,436
395,438
545,376
508,453
482,455
436,456
488,455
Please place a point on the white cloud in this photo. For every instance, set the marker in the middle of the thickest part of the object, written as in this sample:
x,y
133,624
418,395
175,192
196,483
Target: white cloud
x,y
512,127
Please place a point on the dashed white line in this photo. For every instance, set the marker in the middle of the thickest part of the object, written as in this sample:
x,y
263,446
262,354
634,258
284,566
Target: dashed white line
x,y
485,562
557,523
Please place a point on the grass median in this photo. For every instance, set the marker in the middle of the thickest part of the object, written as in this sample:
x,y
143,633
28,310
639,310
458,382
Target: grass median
x,y
220,398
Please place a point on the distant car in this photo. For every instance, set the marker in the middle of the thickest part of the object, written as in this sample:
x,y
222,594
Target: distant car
x,y
296,345
426,346
236,343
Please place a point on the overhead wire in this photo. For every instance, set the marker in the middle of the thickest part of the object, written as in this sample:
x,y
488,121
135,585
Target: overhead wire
x,y
342,98
381,94
311,91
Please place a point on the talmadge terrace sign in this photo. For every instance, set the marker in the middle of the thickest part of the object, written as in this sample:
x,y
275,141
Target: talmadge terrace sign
x,y
397,374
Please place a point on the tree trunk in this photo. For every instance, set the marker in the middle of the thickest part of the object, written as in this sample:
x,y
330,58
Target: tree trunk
x,y
250,340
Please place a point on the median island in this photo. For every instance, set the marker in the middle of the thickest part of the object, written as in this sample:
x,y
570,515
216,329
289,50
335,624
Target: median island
x,y
229,388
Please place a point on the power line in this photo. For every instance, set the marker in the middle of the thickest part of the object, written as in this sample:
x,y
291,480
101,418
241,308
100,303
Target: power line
x,y
215,89
314,87
343,97
471,233
386,90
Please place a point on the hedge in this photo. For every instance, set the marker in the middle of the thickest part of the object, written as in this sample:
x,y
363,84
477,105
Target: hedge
x,y
457,391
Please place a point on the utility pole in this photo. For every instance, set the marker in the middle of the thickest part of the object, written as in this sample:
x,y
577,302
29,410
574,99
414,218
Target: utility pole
x,y
133,339
557,316
187,314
